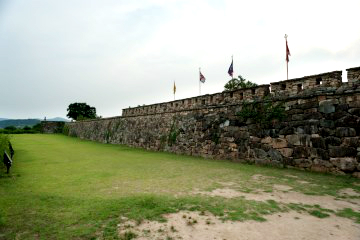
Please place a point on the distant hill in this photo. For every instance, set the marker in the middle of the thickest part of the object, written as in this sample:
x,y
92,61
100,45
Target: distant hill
x,y
58,119
19,123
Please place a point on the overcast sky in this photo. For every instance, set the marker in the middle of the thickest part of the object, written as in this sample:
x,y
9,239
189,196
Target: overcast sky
x,y
121,53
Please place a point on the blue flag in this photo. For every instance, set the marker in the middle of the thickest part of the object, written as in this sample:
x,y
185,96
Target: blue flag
x,y
231,70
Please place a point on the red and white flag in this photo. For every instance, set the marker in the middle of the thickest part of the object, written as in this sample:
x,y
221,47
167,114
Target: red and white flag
x,y
202,78
287,52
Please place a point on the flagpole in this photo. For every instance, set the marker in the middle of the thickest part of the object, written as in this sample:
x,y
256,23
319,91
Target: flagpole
x,y
199,83
287,63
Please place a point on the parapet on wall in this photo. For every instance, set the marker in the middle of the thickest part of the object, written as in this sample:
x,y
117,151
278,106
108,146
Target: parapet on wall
x,y
293,87
353,75
228,97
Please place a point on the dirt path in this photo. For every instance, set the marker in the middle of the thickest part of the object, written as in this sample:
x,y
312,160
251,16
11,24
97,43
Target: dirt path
x,y
284,226
280,226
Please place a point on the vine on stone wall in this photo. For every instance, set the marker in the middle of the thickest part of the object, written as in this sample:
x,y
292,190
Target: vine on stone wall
x,y
263,113
173,133
172,136
65,130
215,137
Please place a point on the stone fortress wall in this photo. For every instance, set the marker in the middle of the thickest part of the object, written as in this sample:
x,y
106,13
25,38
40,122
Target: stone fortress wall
x,y
321,130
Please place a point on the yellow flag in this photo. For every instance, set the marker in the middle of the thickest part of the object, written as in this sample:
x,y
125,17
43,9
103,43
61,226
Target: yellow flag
x,y
174,88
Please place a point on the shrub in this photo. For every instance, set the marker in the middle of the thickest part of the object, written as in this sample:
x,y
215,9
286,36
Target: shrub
x,y
65,130
26,128
4,146
11,128
37,127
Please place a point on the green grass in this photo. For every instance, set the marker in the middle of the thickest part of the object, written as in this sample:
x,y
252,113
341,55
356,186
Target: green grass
x,y
65,188
349,213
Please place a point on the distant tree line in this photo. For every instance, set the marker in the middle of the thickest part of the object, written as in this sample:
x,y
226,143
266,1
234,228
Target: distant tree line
x,y
19,130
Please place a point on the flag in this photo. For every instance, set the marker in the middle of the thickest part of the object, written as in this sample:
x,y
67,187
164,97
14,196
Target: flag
x,y
202,78
231,70
287,52
174,88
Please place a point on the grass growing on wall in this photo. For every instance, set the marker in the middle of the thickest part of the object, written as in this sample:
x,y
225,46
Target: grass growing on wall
x,y
66,188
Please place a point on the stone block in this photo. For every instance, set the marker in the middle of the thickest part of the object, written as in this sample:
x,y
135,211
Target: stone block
x,y
290,103
327,123
303,163
266,140
326,106
297,117
355,104
348,121
356,174
293,139
300,152
342,107
321,98
332,141
346,164
275,155
327,164
354,111
336,115
253,139
312,115
259,153
286,152
241,135
286,131
310,110
298,139
340,151
225,124
321,166
307,105
345,132
322,154
279,143
313,122
351,142
262,161
318,142
294,111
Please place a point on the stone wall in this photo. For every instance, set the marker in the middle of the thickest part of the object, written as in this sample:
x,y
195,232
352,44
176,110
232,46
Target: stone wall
x,y
320,131
51,126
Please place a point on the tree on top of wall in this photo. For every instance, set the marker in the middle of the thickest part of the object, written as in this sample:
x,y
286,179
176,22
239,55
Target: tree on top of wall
x,y
238,83
81,111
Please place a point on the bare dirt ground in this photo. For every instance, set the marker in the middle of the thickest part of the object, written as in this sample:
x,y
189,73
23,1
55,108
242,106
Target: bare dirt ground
x,y
284,226
280,226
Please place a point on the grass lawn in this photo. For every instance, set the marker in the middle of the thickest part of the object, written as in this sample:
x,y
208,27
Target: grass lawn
x,y
65,188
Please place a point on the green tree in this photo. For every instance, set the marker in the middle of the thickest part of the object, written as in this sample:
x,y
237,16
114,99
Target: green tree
x,y
238,83
81,111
